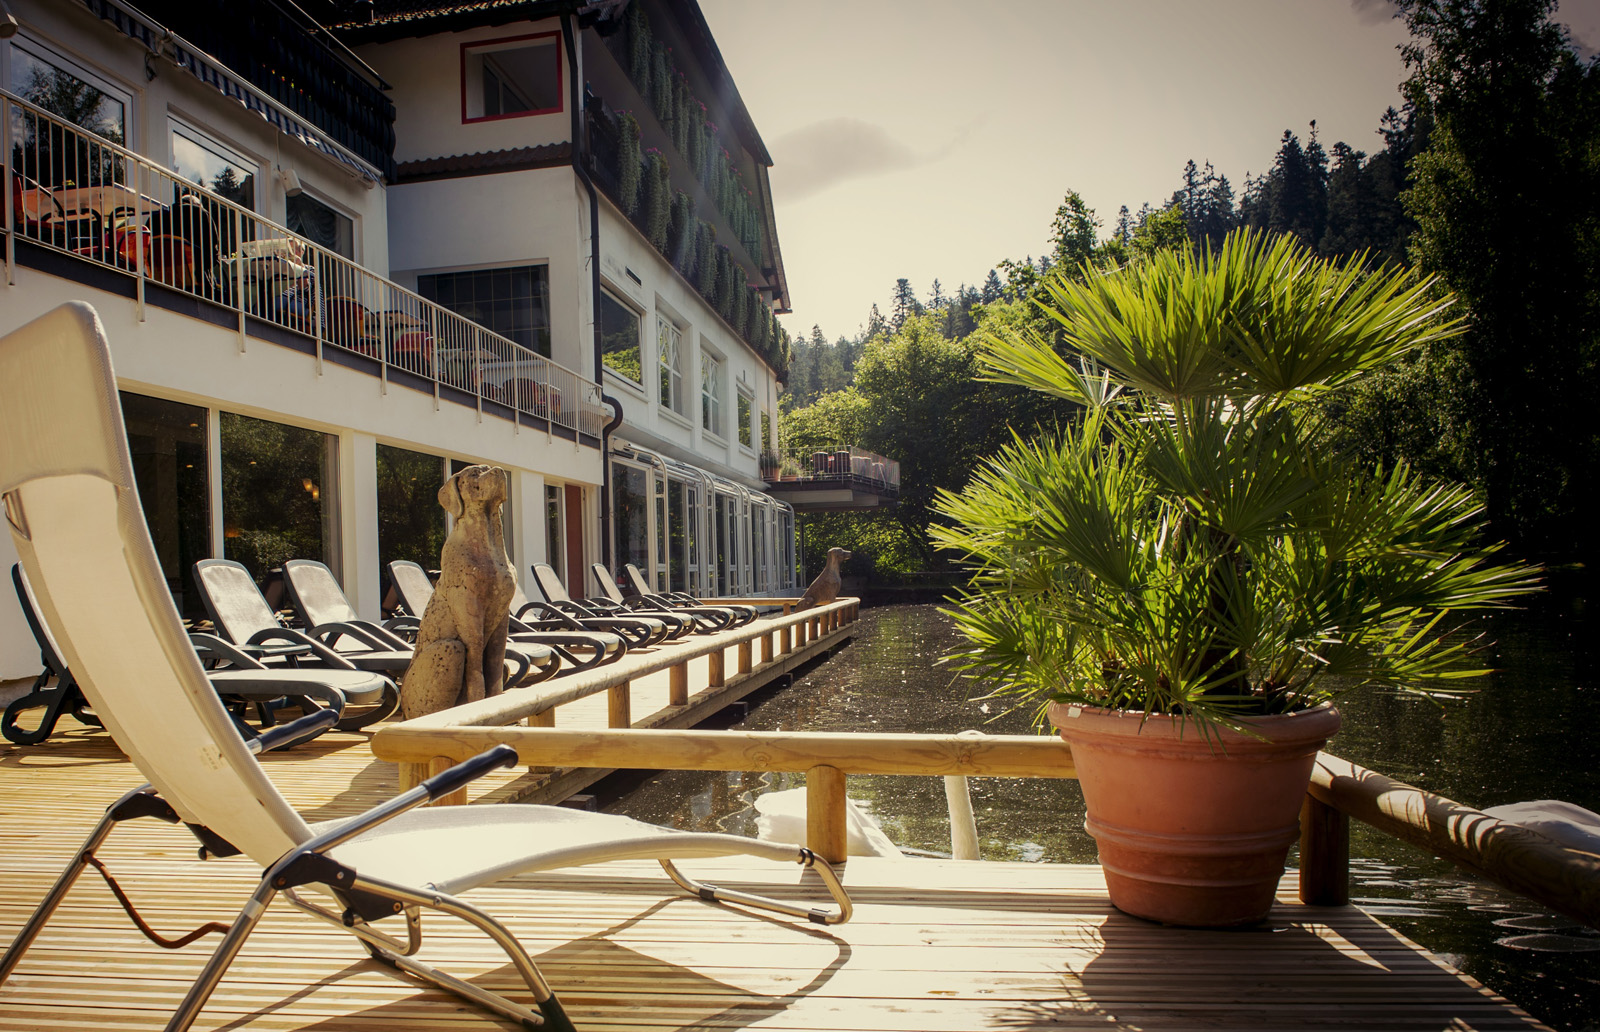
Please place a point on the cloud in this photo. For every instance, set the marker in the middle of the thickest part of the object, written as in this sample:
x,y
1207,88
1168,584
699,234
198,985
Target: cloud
x,y
1373,12
815,157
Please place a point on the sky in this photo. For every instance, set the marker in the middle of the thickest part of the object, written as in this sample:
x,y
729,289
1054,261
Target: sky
x,y
933,138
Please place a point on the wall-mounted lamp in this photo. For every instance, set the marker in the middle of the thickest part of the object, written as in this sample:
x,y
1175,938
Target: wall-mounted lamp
x,y
289,177
9,26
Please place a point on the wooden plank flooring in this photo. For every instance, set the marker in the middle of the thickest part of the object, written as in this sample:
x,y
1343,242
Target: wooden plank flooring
x,y
935,945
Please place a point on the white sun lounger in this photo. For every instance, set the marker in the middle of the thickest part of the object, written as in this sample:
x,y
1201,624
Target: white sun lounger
x,y
67,485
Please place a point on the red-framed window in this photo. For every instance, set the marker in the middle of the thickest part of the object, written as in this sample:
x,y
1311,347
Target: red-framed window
x,y
511,77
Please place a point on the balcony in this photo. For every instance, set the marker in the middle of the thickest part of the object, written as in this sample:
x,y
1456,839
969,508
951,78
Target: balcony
x,y
85,208
836,478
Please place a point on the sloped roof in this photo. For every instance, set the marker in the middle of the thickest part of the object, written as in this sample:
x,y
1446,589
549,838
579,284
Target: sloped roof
x,y
397,19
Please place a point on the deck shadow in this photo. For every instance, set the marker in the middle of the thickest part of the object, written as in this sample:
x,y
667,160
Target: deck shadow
x,y
596,979
1307,968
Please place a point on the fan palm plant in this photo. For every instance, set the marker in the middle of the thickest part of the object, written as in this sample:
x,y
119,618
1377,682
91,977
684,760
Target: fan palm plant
x,y
1192,546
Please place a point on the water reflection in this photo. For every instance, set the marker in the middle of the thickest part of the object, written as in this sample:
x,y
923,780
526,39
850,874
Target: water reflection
x,y
1524,732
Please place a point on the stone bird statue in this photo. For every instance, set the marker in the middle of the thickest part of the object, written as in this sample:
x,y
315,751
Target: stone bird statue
x,y
825,588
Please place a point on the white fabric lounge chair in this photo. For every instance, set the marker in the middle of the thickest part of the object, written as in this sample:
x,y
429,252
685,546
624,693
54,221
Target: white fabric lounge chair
x,y
73,511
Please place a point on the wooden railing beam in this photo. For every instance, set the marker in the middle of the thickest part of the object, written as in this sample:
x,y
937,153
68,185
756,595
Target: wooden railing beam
x,y
667,749
1526,862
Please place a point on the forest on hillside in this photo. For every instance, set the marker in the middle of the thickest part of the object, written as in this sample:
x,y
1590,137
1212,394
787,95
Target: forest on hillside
x,y
1488,178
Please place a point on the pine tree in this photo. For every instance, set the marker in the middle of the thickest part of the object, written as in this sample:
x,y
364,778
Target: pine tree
x,y
876,324
936,298
992,289
905,303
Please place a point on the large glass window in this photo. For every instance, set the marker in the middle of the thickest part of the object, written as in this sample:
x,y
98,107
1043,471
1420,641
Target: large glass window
x,y
661,532
555,539
279,494
677,536
630,515
321,224
518,76
691,535
619,338
711,392
167,441
207,163
513,302
746,421
411,523
669,352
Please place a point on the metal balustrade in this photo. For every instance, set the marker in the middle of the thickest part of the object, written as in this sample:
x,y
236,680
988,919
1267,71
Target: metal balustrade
x,y
844,463
74,191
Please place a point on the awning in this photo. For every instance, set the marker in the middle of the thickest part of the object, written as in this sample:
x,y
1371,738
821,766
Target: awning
x,y
165,44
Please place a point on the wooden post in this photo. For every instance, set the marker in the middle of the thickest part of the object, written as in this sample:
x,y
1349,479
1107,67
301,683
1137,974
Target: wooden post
x,y
412,775
619,709
1324,855
438,765
744,657
766,647
678,685
825,813
788,640
544,718
718,676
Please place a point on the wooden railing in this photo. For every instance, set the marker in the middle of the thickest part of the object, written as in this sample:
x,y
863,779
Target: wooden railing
x,y
439,739
1523,861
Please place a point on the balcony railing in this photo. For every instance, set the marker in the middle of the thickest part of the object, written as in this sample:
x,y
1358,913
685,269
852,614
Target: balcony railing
x,y
840,463
75,192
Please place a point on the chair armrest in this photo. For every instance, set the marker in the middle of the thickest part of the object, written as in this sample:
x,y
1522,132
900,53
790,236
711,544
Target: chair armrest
x,y
404,626
382,634
308,726
306,643
457,777
211,647
330,633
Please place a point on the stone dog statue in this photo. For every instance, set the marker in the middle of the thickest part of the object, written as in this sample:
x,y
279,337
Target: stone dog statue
x,y
825,588
461,643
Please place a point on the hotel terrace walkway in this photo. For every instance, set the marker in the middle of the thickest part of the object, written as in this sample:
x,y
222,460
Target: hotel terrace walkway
x,y
934,945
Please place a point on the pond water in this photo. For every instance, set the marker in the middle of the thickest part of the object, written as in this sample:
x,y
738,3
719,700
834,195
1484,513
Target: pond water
x,y
1527,731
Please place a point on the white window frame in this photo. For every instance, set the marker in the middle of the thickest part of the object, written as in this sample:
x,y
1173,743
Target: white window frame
x,y
338,209
749,398
712,376
201,138
669,340
622,300
40,51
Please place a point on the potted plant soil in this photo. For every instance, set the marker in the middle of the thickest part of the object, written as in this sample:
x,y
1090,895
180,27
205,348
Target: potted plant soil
x,y
1189,574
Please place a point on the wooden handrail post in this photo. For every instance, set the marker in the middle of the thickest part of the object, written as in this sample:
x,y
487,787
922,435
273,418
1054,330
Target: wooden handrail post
x,y
788,641
825,813
718,663
744,657
678,685
619,707
438,765
766,648
411,775
1324,855
544,718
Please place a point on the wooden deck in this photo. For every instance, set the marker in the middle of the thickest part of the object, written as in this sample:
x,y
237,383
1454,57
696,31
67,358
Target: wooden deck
x,y
935,945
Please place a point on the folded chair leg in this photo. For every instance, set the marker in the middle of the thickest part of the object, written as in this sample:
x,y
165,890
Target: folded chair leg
x,y
830,880
550,1016
41,914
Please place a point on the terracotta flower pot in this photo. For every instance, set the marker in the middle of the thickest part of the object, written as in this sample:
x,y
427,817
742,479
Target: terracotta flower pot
x,y
1191,832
